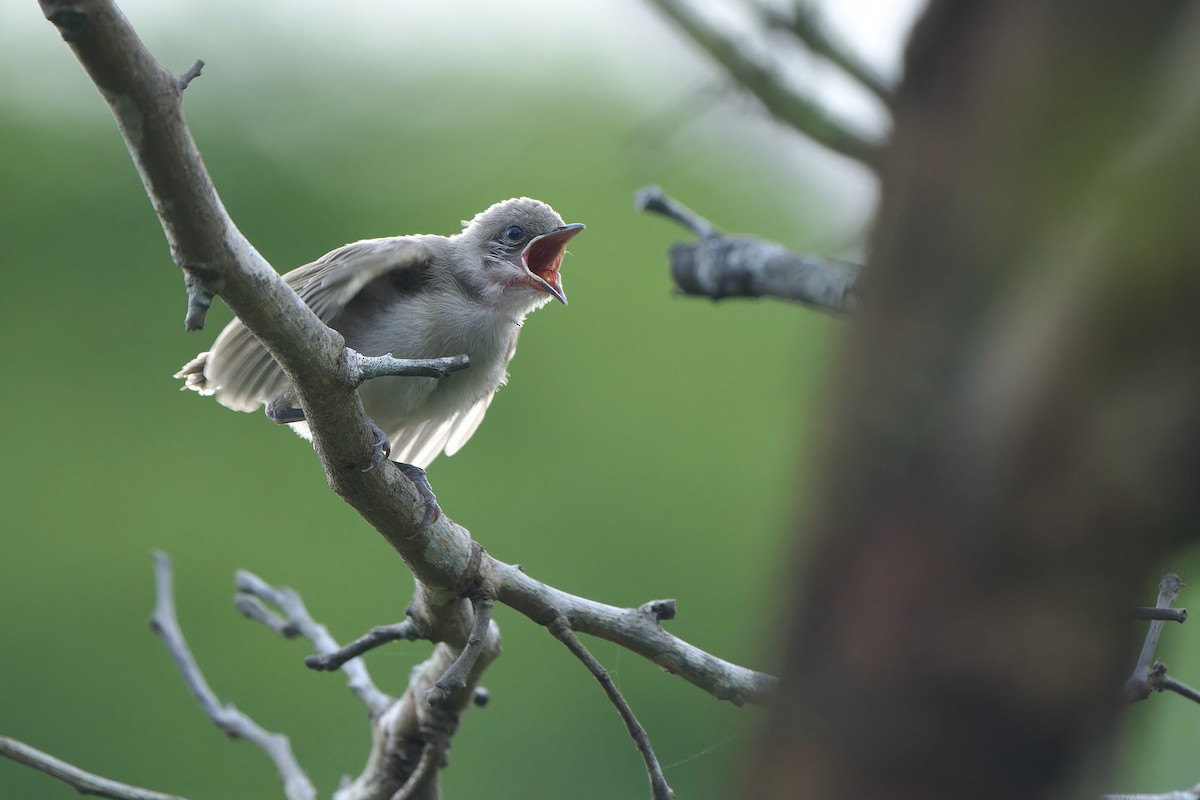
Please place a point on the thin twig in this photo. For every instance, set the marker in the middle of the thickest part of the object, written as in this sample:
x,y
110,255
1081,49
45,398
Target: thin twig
x,y
1165,614
297,621
1169,684
193,72
805,23
654,200
80,780
388,365
801,113
455,678
379,635
659,788
234,723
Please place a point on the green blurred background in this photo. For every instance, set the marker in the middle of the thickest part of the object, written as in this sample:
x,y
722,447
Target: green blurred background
x,y
648,445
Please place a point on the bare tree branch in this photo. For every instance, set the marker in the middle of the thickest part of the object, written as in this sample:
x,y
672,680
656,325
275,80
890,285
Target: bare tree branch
x,y
193,72
636,629
805,24
721,266
367,367
659,788
234,723
80,780
377,636
297,621
455,677
804,115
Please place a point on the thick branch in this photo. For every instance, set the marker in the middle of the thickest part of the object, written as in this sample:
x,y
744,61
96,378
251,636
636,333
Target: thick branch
x,y
721,266
803,114
234,723
80,780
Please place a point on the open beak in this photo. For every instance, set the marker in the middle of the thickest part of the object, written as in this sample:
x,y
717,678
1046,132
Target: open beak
x,y
543,256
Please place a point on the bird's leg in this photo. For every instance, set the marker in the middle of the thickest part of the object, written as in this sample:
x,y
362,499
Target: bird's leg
x,y
417,476
281,412
382,448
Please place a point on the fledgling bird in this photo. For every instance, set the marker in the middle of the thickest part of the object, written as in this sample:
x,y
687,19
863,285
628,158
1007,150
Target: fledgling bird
x,y
419,296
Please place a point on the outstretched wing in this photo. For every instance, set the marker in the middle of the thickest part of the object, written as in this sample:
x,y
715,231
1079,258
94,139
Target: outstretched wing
x,y
239,370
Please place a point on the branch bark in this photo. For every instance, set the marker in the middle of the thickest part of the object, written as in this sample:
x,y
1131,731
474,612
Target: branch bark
x,y
721,266
231,721
78,779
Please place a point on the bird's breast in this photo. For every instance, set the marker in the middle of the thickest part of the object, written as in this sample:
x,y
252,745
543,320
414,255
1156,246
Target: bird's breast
x,y
428,327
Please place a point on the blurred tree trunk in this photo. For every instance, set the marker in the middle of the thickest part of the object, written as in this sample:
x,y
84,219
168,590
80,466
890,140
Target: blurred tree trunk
x,y
1015,441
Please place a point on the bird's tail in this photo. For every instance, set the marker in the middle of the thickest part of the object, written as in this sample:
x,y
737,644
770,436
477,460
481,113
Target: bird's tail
x,y
193,375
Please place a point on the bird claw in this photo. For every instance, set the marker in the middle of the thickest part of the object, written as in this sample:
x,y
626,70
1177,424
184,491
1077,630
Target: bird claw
x,y
432,509
380,451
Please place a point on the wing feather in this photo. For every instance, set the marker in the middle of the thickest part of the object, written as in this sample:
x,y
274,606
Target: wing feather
x,y
420,444
240,370
466,423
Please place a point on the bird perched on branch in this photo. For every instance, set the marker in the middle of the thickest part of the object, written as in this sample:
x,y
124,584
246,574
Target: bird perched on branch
x,y
420,296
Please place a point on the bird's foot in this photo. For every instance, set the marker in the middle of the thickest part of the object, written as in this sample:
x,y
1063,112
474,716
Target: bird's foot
x,y
281,412
381,450
432,509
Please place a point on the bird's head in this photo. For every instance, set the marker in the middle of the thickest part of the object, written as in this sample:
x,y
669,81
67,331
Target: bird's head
x,y
522,243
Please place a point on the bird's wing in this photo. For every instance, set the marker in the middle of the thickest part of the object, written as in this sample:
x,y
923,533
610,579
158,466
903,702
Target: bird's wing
x,y
243,374
420,444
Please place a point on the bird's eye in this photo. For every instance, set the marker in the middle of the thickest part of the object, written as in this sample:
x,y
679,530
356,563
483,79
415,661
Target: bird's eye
x,y
514,233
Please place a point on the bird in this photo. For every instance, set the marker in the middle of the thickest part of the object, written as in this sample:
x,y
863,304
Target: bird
x,y
417,296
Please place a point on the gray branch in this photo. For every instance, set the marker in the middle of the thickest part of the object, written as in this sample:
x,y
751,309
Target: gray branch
x,y
720,266
457,675
364,368
636,629
253,591
801,113
1148,675
377,636
233,723
1165,614
659,788
80,780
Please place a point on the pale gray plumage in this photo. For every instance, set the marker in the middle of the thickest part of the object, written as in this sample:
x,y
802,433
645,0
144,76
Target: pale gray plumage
x,y
419,296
